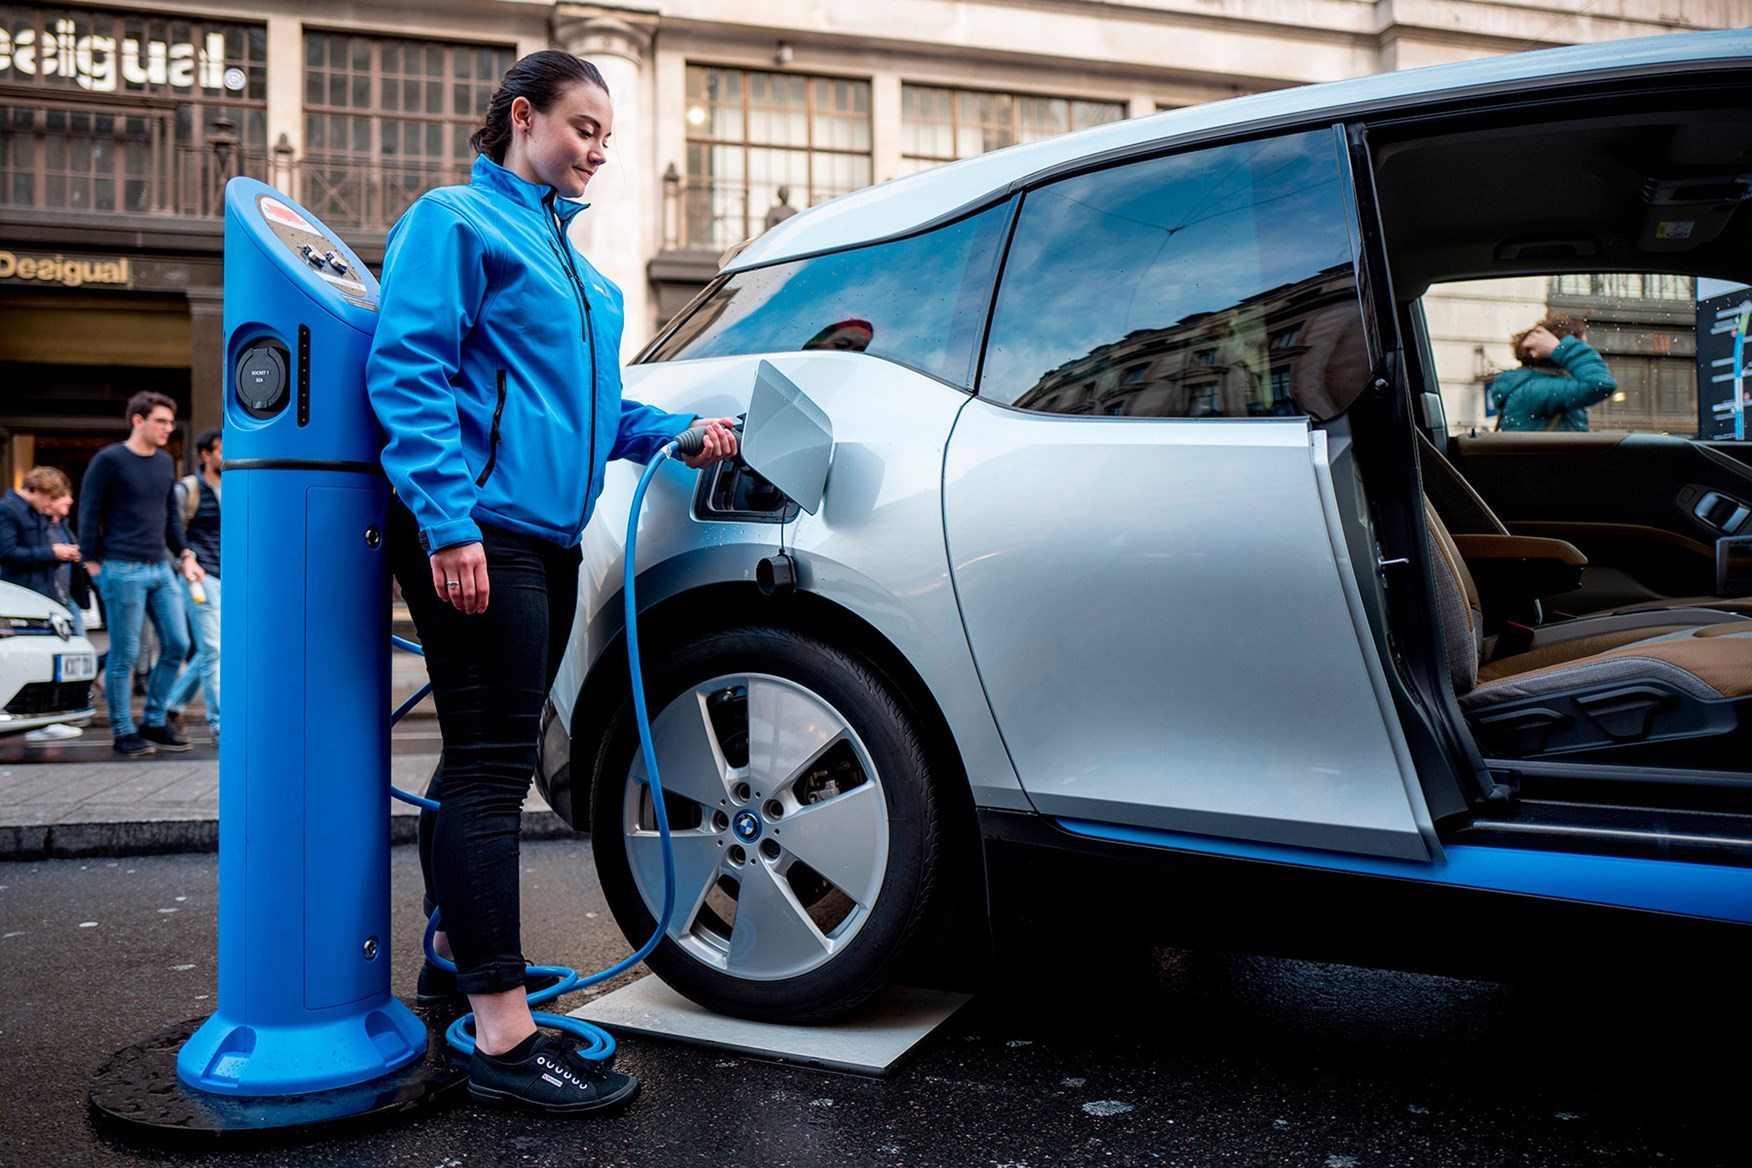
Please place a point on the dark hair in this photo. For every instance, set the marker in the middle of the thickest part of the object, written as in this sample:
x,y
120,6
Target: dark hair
x,y
208,439
143,403
540,77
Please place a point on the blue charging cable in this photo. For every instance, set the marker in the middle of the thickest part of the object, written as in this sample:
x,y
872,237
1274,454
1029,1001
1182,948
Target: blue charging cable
x,y
596,1043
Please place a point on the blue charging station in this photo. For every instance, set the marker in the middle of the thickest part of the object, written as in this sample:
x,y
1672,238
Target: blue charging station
x,y
306,1028
304,1001
307,1032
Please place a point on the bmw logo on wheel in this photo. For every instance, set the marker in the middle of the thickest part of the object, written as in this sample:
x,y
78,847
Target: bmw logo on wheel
x,y
746,825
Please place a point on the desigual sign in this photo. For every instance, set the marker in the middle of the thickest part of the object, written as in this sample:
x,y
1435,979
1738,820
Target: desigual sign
x,y
72,48
65,270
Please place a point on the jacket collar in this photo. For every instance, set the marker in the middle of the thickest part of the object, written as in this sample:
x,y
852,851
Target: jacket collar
x,y
535,196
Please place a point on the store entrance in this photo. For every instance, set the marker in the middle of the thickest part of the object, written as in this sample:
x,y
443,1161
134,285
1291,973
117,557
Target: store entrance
x,y
62,415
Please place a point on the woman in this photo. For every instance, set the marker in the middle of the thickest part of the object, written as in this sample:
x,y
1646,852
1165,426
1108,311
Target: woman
x,y
495,373
1557,382
36,550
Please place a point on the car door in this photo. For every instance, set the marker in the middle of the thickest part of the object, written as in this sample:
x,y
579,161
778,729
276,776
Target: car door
x,y
1141,525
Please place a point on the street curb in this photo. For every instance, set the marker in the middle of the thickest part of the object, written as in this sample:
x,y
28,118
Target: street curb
x,y
78,841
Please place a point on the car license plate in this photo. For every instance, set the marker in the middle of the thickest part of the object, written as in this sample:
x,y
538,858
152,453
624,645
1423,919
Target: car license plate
x,y
75,666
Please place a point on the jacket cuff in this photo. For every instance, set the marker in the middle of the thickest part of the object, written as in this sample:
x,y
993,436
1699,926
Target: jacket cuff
x,y
449,534
1566,349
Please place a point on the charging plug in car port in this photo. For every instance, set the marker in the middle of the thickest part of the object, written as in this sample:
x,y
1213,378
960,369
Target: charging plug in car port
x,y
734,492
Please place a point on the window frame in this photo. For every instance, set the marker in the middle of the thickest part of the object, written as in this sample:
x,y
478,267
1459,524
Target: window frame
x,y
1015,97
371,166
692,139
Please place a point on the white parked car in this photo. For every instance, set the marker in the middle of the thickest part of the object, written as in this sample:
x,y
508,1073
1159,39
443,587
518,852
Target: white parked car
x,y
46,670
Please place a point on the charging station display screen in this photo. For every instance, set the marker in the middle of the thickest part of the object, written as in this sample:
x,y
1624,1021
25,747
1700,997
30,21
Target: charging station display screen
x,y
1724,390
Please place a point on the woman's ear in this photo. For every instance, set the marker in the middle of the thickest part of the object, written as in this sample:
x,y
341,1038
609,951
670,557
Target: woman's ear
x,y
521,113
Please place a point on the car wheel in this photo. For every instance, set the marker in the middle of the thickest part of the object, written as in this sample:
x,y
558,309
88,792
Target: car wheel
x,y
804,823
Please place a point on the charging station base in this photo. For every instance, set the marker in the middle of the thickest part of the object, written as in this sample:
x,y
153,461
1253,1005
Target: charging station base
x,y
869,1043
139,1089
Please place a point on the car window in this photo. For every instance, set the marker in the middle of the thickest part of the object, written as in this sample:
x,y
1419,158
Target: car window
x,y
1219,283
917,301
1667,342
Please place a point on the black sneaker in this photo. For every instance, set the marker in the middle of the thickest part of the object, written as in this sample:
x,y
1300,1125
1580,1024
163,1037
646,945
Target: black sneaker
x,y
133,744
439,985
542,1074
164,738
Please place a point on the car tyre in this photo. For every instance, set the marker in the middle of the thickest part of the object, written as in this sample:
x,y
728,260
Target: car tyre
x,y
760,732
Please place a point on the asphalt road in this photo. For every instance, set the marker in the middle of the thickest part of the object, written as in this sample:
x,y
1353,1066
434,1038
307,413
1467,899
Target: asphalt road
x,y
1216,1060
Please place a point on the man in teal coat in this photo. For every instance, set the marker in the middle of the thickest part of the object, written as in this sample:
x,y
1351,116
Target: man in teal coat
x,y
1557,382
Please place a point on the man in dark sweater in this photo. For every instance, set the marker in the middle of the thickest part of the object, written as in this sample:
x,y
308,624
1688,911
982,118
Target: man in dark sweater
x,y
129,524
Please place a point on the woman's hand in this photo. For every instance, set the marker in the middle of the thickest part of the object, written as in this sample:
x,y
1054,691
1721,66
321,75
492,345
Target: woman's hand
x,y
459,576
1539,344
720,442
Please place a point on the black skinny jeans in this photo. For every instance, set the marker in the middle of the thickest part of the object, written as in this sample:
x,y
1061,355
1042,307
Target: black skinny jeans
x,y
490,673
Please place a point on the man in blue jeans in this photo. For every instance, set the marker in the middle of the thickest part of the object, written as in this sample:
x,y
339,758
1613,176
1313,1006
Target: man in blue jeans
x,y
197,501
129,524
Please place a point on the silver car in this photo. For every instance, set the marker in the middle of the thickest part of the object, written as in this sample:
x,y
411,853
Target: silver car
x,y
1152,590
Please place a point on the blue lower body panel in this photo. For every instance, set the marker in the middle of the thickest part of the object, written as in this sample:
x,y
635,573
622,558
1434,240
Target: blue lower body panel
x,y
1709,891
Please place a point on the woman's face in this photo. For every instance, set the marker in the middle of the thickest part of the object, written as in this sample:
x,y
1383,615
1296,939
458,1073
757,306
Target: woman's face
x,y
563,147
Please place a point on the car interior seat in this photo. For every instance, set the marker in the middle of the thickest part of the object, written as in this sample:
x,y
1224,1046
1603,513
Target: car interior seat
x,y
1548,564
1674,691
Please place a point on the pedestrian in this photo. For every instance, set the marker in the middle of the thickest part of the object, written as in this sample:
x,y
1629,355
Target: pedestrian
x,y
197,501
494,372
131,525
38,552
1560,377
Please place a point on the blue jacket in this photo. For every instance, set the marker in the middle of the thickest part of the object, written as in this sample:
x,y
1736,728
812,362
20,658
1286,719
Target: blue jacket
x,y
26,555
1530,400
495,369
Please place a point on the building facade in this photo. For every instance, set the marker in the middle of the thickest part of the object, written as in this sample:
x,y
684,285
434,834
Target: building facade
x,y
120,123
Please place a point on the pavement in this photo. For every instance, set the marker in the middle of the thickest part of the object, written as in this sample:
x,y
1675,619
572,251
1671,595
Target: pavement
x,y
77,798
71,801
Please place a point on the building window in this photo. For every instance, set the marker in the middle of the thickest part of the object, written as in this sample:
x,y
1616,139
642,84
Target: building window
x,y
1644,324
751,135
386,120
111,111
941,125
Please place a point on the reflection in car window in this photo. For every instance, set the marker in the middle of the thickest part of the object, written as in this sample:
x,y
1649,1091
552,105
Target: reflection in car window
x,y
1213,284
916,301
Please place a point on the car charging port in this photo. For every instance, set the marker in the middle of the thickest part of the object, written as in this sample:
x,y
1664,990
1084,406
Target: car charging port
x,y
732,492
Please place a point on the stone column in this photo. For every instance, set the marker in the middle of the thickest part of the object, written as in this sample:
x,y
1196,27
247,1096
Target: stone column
x,y
206,365
620,232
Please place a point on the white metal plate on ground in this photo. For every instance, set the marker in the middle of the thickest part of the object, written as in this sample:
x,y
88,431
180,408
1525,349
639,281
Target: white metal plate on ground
x,y
869,1043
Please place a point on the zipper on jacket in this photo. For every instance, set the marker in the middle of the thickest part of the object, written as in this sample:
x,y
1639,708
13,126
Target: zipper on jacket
x,y
563,249
493,438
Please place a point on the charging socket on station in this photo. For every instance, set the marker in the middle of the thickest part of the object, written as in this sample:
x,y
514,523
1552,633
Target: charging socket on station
x,y
264,378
